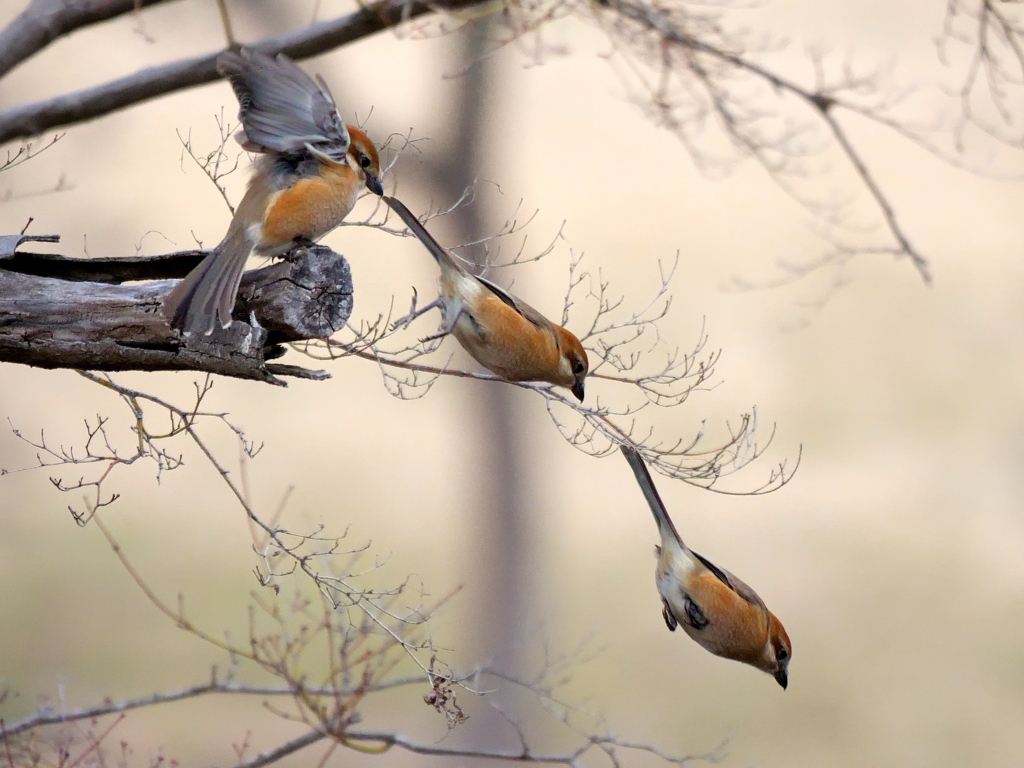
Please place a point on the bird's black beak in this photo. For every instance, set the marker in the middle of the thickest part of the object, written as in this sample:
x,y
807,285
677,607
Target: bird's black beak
x,y
373,184
577,390
782,678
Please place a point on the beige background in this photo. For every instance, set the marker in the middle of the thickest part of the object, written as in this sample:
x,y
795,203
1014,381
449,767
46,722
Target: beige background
x,y
894,556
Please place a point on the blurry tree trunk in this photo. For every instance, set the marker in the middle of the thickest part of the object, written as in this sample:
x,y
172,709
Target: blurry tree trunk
x,y
507,581
503,609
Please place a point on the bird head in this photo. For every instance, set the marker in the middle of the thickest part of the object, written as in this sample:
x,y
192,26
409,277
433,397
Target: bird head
x,y
777,653
364,154
573,365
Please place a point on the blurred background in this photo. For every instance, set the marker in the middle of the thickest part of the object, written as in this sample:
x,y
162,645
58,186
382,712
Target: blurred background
x,y
893,556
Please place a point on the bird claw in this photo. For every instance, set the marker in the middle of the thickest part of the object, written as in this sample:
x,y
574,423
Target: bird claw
x,y
695,617
439,335
670,620
298,244
406,320
402,322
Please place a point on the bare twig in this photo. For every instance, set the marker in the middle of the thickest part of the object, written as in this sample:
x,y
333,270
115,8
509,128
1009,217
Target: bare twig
x,y
991,35
622,345
214,686
709,67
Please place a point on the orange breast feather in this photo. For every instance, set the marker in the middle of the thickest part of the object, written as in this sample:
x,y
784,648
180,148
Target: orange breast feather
x,y
311,207
510,345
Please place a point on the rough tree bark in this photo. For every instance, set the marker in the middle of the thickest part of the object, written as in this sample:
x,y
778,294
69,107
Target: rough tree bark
x,y
59,312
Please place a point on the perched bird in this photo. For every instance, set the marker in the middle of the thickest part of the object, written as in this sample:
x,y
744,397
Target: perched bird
x,y
310,172
715,608
502,333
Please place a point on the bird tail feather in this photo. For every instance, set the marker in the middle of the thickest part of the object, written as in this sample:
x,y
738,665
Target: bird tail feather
x,y
208,292
643,477
443,258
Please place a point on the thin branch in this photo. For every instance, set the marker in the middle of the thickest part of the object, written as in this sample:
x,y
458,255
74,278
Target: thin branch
x,y
626,347
690,462
275,754
670,32
993,35
524,755
30,120
195,691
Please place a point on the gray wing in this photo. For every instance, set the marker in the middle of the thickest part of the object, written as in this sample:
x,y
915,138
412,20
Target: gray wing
x,y
518,304
732,582
282,109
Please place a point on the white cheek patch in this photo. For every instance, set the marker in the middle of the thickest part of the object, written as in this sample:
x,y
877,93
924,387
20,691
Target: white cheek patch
x,y
564,367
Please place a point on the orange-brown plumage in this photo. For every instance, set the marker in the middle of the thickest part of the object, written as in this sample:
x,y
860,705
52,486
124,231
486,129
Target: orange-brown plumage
x,y
528,353
307,179
311,207
501,332
715,608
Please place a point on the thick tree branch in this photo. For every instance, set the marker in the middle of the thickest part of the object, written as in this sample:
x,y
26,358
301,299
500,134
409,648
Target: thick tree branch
x,y
50,322
32,119
110,269
46,20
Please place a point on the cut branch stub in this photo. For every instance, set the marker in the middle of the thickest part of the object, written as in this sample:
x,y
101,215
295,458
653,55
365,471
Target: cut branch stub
x,y
50,322
308,295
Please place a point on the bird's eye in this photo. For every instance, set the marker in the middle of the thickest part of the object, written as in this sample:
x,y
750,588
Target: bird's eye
x,y
578,368
782,654
364,161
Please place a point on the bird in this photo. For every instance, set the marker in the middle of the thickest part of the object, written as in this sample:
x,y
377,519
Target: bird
x,y
720,612
501,332
309,172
